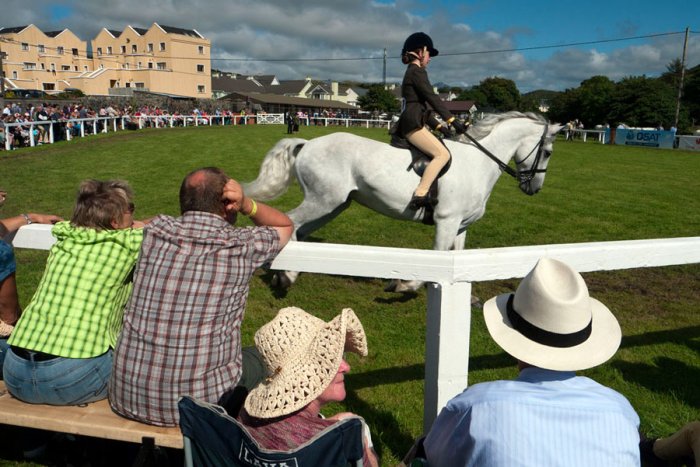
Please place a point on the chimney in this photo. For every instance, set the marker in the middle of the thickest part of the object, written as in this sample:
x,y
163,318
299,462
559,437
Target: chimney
x,y
334,90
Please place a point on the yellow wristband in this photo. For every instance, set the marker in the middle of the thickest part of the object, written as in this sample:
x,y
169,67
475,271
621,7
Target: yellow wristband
x,y
450,120
254,209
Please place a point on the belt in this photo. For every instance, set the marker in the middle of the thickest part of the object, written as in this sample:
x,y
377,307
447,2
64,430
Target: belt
x,y
31,355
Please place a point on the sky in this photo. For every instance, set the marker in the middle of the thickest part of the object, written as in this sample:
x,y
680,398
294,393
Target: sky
x,y
538,44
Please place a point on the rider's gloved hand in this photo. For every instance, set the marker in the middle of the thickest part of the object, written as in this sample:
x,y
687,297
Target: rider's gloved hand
x,y
458,126
444,130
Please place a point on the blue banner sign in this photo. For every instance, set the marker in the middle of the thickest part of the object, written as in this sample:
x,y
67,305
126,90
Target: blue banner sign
x,y
648,138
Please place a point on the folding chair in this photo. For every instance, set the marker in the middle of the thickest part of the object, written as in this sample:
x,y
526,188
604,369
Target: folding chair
x,y
214,439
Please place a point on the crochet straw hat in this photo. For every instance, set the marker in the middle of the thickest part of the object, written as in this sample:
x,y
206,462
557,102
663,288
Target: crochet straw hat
x,y
302,354
551,321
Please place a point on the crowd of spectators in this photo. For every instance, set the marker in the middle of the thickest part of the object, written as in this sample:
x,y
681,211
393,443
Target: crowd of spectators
x,y
53,122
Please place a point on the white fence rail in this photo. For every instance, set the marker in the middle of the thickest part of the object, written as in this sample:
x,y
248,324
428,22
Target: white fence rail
x,y
81,127
450,274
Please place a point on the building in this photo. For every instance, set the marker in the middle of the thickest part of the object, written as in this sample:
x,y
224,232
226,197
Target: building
x,y
160,59
33,59
224,84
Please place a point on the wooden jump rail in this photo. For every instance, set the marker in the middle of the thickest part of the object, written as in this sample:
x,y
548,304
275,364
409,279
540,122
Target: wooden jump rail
x,y
95,420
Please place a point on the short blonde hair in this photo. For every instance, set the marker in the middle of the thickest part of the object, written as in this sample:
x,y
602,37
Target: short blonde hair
x,y
101,202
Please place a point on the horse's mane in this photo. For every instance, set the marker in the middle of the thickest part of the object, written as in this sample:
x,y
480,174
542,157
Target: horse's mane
x,y
484,126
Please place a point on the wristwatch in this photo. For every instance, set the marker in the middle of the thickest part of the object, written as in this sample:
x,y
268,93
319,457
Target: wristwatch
x,y
26,218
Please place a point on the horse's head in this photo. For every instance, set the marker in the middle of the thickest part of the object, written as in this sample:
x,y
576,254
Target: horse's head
x,y
532,156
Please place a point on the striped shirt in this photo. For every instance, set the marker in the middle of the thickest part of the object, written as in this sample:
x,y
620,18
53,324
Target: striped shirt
x,y
543,417
182,324
76,311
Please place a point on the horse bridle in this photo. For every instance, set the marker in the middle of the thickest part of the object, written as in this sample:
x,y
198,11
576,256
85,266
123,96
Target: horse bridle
x,y
524,176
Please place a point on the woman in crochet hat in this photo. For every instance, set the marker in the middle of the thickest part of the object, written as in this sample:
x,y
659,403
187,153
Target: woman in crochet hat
x,y
417,115
304,358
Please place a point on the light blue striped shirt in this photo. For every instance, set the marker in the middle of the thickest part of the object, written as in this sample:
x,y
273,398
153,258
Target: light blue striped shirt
x,y
543,418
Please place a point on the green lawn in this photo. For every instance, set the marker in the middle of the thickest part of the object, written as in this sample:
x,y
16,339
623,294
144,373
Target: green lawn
x,y
592,193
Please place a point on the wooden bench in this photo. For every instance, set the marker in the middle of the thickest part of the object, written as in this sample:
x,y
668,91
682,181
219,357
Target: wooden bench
x,y
96,420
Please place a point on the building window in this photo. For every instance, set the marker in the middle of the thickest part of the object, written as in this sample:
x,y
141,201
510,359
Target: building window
x,y
109,50
134,48
41,48
53,67
75,52
48,86
25,46
59,50
29,66
99,51
139,85
138,66
150,65
102,66
200,68
43,67
65,67
123,49
201,49
160,66
200,89
126,66
85,68
162,46
14,75
150,47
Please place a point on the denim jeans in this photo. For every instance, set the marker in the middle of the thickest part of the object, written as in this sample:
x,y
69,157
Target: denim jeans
x,y
59,381
4,346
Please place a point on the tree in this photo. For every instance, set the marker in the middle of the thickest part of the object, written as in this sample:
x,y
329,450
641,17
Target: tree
x,y
594,96
475,95
643,102
501,93
379,99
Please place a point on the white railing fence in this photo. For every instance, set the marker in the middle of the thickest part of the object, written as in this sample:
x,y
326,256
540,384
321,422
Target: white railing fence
x,y
81,127
450,274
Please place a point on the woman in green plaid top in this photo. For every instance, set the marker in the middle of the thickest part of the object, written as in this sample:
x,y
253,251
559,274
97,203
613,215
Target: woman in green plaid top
x,y
61,348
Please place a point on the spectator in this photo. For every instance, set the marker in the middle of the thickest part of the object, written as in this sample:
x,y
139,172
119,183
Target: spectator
x,y
10,309
304,358
182,324
61,348
682,446
547,415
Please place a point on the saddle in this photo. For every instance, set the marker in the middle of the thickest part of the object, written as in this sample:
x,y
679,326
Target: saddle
x,y
419,161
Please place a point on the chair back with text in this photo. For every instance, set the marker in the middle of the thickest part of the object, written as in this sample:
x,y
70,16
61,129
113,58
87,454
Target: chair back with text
x,y
215,439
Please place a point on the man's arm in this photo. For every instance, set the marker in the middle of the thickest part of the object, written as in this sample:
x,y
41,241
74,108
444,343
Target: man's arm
x,y
260,213
263,215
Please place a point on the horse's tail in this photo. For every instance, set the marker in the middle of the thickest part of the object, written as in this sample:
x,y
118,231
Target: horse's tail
x,y
275,174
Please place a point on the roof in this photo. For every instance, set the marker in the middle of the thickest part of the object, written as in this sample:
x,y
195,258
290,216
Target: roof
x,y
459,106
141,31
181,31
114,32
13,30
226,84
54,33
289,100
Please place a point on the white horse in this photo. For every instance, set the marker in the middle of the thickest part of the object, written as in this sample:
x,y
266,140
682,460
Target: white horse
x,y
339,168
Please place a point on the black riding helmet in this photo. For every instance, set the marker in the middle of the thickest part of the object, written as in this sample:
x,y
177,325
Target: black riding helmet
x,y
418,40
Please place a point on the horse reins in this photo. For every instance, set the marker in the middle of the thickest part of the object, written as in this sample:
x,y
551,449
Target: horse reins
x,y
524,176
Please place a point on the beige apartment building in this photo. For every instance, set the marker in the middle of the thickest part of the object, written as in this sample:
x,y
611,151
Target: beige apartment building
x,y
160,59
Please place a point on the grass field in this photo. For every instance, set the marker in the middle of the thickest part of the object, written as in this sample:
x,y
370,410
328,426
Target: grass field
x,y
592,193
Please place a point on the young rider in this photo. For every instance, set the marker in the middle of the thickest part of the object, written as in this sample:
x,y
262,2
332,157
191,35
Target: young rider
x,y
418,94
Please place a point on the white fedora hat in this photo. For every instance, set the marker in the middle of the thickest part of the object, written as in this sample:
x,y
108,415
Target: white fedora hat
x,y
302,354
551,322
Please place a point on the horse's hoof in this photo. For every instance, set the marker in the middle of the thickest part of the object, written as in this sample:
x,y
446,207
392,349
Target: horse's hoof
x,y
391,286
281,281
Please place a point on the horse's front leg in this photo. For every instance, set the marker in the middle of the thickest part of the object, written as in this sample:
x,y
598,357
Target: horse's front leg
x,y
446,238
